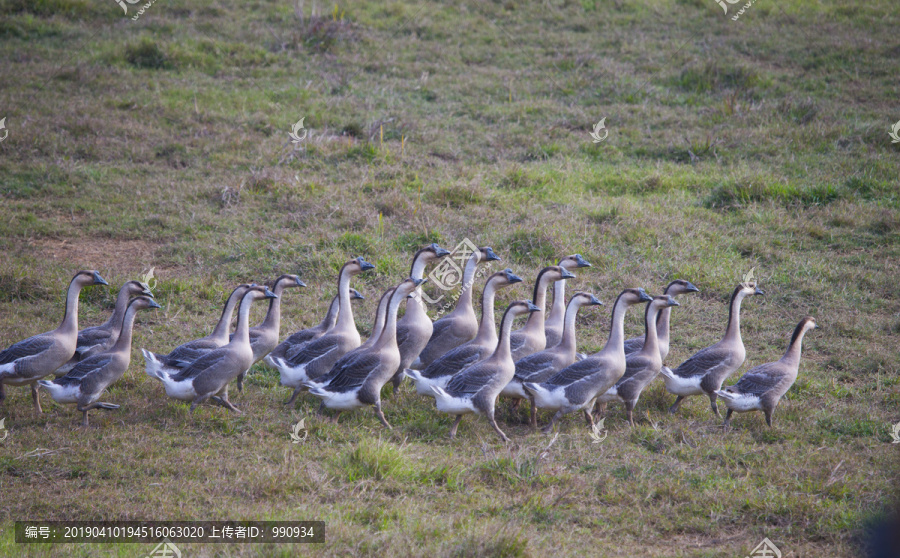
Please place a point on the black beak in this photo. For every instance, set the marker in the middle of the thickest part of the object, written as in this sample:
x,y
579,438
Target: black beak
x,y
691,288
270,294
418,282
595,301
643,296
99,280
147,292
512,277
490,255
672,302
440,252
532,307
581,262
759,291
300,283
153,304
566,274
356,295
364,265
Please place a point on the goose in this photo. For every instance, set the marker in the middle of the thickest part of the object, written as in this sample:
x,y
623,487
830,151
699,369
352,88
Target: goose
x,y
97,339
475,389
414,329
556,317
675,288
575,386
763,386
460,325
542,365
88,379
708,368
182,355
357,381
290,346
641,367
264,337
208,376
318,356
443,368
29,360
531,338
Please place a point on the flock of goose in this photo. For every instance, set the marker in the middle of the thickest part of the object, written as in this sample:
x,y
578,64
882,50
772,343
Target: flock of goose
x,y
466,366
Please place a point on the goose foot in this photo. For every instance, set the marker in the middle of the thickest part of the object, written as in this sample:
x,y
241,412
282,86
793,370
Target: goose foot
x,y
674,408
223,401
589,417
293,396
455,426
36,398
727,422
768,413
713,405
493,422
380,415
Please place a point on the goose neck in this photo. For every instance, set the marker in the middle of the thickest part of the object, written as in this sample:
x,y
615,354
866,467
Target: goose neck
x,y
733,332
224,324
242,332
616,341
345,311
651,337
70,318
487,329
389,331
567,341
123,343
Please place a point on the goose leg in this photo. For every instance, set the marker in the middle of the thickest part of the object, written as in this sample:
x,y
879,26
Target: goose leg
x,y
380,415
2,392
36,398
293,396
712,404
558,415
768,413
199,400
397,380
600,409
629,411
455,425
493,421
533,413
589,417
674,408
240,382
727,417
223,401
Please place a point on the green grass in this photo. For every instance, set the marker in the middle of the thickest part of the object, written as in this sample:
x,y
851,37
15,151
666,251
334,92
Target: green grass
x,y
163,142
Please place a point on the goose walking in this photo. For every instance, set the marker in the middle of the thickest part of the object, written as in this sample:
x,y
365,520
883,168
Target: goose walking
x,y
673,289
264,337
317,357
97,339
531,337
86,381
763,386
554,323
475,389
29,360
460,325
643,366
292,345
542,365
576,386
357,381
439,372
704,372
208,376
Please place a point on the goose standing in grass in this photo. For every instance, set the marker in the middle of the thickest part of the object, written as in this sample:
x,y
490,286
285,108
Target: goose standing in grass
x,y
531,338
292,345
577,385
264,337
208,376
86,381
183,355
357,381
29,360
461,325
440,371
101,338
415,328
554,323
763,386
475,389
317,357
542,365
708,368
675,288
643,366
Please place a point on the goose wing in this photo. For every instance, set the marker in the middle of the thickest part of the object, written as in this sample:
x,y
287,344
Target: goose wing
x,y
444,334
757,381
352,373
533,367
469,381
516,340
85,368
453,361
705,361
209,360
182,355
26,348
634,345
90,338
574,372
315,349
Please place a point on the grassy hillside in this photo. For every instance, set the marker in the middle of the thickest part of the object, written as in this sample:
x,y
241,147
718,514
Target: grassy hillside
x,y
163,142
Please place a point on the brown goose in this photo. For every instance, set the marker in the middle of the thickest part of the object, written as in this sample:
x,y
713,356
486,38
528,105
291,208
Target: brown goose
x,y
556,317
29,360
531,338
317,357
643,366
763,386
704,372
183,355
85,383
414,329
461,325
675,288
208,376
357,381
101,338
264,337
440,371
475,389
577,385
290,346
542,365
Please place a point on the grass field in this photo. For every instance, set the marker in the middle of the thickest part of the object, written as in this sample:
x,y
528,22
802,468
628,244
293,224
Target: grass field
x,y
163,142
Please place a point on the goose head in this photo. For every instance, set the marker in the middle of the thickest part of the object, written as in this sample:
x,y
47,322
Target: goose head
x,y
749,289
486,254
143,303
358,265
519,307
408,285
585,299
258,292
573,262
88,277
136,288
438,252
555,273
504,278
356,295
664,301
679,287
634,296
289,281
